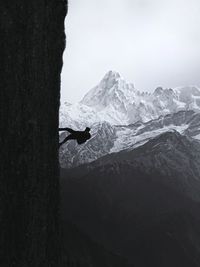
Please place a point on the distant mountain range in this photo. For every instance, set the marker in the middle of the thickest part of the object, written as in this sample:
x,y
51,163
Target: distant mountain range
x,y
121,117
107,138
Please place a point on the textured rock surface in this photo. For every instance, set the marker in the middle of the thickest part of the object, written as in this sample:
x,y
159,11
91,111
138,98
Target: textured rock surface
x,y
32,43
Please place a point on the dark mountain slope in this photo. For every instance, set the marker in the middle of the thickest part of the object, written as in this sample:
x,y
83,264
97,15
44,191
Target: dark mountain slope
x,y
143,204
80,250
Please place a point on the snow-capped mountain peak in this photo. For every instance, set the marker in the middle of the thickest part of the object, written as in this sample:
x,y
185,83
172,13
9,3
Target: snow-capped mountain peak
x,y
190,95
111,89
111,77
158,91
118,102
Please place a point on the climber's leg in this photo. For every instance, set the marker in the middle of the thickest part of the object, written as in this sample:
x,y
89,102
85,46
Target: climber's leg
x,y
69,137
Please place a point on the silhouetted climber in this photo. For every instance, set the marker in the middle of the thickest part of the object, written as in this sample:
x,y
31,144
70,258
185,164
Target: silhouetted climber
x,y
80,136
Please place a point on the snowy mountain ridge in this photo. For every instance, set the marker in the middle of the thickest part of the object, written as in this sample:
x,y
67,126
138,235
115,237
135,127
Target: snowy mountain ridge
x,y
107,138
117,102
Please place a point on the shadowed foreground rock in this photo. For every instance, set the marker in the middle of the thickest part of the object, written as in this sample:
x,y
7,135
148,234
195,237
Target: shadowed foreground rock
x,y
32,43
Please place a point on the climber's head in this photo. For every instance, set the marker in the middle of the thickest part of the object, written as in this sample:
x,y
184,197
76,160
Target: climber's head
x,y
87,129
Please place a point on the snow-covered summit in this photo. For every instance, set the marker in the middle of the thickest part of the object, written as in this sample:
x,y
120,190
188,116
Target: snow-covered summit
x,y
112,90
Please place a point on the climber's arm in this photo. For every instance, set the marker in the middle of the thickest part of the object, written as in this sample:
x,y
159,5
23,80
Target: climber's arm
x,y
66,129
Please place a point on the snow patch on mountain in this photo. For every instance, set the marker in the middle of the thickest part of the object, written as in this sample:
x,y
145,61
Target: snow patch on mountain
x,y
197,136
127,139
77,116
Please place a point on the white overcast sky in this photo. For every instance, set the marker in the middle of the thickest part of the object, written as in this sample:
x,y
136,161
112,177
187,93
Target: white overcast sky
x,y
149,42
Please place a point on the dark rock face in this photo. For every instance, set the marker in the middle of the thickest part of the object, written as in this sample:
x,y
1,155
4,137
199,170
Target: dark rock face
x,y
32,44
143,204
